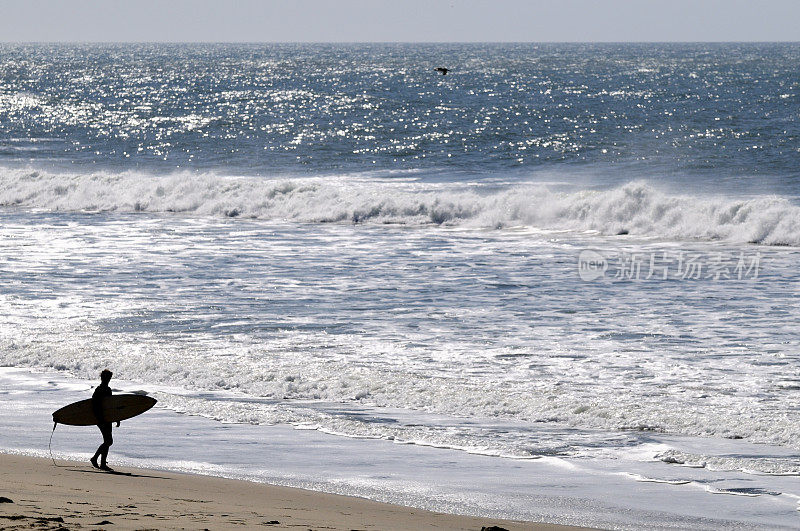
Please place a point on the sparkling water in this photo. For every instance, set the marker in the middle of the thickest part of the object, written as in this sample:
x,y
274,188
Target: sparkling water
x,y
579,252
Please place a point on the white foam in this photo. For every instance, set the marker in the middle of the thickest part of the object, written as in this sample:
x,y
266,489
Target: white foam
x,y
636,208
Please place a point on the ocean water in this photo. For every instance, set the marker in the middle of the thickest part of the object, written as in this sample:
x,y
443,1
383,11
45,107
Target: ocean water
x,y
576,256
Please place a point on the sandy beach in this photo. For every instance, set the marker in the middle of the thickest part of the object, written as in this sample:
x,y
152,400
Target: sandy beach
x,y
74,495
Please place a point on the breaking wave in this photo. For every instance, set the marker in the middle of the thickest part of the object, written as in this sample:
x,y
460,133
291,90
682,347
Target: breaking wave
x,y
636,208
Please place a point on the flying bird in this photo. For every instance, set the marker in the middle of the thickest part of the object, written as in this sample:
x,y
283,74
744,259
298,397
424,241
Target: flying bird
x,y
443,70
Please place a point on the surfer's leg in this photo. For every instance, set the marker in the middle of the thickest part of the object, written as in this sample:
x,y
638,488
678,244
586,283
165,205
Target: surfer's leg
x,y
105,429
101,450
93,460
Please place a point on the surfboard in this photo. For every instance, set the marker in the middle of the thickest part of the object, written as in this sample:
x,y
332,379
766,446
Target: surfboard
x,y
115,408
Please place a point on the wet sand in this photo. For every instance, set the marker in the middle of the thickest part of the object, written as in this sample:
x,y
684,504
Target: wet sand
x,y
74,495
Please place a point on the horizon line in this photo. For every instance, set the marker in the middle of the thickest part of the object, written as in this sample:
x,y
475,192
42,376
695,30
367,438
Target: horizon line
x,y
404,42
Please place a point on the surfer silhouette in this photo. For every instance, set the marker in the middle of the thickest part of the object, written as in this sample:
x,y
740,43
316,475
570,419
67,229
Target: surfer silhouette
x,y
100,392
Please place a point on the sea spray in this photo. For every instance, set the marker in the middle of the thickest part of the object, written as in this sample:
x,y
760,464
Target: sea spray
x,y
636,208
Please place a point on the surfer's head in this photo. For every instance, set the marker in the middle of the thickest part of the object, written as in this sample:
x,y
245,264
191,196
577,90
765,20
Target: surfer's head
x,y
106,375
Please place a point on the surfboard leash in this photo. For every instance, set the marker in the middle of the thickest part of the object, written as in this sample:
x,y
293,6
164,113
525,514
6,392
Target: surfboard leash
x,y
50,445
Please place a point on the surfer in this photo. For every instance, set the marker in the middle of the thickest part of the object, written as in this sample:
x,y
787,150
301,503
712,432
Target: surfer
x,y
102,391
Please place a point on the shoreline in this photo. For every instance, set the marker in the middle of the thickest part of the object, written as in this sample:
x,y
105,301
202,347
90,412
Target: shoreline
x,y
631,491
74,495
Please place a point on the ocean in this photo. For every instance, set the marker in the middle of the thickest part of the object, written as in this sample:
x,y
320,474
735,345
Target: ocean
x,y
556,269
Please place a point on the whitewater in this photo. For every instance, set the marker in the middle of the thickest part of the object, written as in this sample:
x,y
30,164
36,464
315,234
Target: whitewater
x,y
560,282
636,208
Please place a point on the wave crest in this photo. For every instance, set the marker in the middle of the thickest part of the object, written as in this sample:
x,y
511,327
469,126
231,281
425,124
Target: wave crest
x,y
635,208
